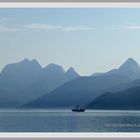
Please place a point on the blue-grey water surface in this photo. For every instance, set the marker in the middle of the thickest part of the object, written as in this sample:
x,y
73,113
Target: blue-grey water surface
x,y
67,121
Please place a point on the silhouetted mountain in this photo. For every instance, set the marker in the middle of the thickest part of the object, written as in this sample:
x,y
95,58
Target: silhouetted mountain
x,y
79,91
16,77
51,78
124,86
71,74
19,75
52,69
23,68
25,81
129,68
128,99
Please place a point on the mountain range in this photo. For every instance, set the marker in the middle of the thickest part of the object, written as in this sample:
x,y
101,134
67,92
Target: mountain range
x,y
128,99
83,90
26,84
130,68
26,80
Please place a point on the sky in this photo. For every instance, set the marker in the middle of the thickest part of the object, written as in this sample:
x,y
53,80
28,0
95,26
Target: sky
x,y
88,39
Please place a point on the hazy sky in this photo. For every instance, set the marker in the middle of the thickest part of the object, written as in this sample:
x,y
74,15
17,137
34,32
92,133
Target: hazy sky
x,y
90,40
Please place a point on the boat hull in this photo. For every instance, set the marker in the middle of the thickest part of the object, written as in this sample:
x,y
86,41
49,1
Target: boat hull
x,y
80,110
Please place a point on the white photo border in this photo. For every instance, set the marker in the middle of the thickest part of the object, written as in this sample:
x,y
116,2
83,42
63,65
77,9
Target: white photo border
x,y
69,5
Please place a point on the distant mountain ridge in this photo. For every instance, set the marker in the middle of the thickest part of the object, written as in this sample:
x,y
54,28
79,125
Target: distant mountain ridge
x,y
124,96
26,84
79,91
83,90
27,80
128,99
130,68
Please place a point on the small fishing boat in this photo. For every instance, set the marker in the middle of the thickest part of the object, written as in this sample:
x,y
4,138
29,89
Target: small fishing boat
x,y
78,109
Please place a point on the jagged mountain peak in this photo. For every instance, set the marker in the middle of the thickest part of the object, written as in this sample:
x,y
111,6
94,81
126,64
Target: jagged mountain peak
x,y
28,61
23,67
130,60
71,73
35,62
54,68
130,68
129,63
25,60
71,70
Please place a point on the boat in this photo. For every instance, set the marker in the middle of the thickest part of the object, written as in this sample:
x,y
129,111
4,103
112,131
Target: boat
x,y
78,109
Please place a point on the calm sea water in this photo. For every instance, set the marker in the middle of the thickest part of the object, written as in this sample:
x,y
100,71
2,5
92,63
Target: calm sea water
x,y
67,121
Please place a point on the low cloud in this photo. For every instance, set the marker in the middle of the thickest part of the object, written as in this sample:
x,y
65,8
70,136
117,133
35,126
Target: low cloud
x,y
4,28
61,28
79,28
7,19
136,26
